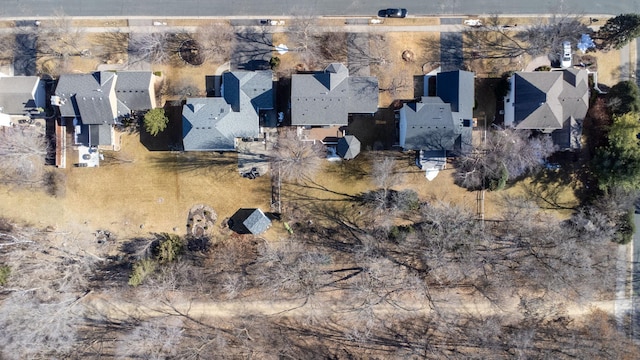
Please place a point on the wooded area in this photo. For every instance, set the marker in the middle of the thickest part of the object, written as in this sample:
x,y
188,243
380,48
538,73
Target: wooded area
x,y
433,283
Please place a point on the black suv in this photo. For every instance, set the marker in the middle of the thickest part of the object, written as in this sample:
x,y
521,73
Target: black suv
x,y
392,13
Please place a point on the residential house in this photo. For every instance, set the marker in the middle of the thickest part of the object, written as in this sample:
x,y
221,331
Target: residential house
x,y
136,90
326,98
93,103
20,98
440,125
217,123
554,102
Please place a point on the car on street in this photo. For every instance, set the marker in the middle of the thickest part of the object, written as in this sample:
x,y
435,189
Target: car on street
x,y
392,13
566,55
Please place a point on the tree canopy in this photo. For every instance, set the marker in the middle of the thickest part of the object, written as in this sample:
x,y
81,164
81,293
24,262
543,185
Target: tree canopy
x,y
618,163
155,121
618,31
624,97
505,156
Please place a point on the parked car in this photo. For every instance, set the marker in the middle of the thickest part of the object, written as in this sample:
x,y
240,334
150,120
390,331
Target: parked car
x,y
566,55
392,13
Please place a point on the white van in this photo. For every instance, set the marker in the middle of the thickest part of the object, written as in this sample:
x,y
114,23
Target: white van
x,y
566,55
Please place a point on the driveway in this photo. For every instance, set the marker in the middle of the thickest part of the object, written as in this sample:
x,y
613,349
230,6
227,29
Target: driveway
x,y
451,57
253,49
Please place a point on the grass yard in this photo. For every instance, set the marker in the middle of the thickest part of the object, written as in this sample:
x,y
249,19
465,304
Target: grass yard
x,y
137,192
399,75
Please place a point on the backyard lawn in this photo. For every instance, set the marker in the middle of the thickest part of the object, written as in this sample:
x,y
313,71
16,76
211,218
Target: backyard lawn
x,y
136,192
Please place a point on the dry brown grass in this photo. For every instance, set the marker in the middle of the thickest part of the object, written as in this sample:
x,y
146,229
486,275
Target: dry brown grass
x,y
608,67
401,71
152,189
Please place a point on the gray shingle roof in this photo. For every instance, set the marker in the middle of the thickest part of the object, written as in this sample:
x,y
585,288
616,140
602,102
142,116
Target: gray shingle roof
x,y
135,89
442,122
100,135
214,123
348,147
248,90
552,101
329,96
457,89
249,221
17,94
90,97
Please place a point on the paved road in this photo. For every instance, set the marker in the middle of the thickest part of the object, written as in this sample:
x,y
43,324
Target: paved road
x,y
635,278
181,8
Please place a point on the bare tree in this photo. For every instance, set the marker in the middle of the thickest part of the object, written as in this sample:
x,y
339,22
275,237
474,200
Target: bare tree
x,y
39,328
304,37
289,268
499,40
506,155
43,310
23,153
111,46
151,47
59,37
333,46
216,41
394,86
157,338
296,159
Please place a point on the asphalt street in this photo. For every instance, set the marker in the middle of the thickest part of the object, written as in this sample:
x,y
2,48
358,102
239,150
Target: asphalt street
x,y
208,8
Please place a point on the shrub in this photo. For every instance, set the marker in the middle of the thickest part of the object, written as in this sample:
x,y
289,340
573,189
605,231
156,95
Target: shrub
x,y
500,182
274,62
155,121
141,270
624,235
168,248
5,271
399,233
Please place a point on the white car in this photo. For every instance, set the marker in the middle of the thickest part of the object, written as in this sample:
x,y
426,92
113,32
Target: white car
x,y
566,55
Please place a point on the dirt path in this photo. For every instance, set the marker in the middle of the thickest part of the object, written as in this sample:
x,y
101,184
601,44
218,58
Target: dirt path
x,y
100,307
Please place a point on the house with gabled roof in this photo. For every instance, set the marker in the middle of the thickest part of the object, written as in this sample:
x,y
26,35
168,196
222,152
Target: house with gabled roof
x,y
89,103
326,98
442,123
21,95
216,123
554,102
93,103
136,90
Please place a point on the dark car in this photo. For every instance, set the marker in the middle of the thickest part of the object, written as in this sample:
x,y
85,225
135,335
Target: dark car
x,y
392,13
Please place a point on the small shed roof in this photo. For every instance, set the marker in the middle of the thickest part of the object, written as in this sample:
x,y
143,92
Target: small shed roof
x,y
348,147
249,221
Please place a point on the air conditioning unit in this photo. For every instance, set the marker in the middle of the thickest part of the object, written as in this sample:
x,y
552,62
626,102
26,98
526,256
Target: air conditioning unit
x,y
57,100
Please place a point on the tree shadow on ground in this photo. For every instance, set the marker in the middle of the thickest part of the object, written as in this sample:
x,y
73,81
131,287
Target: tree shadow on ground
x,y
350,170
554,187
253,50
24,62
194,161
171,137
311,191
375,132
